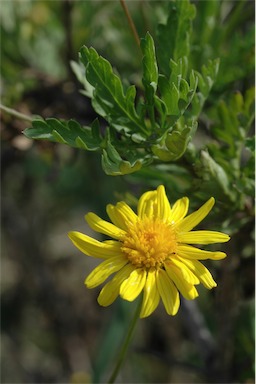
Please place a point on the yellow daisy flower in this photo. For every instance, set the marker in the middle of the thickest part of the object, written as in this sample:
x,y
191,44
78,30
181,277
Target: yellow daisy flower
x,y
151,252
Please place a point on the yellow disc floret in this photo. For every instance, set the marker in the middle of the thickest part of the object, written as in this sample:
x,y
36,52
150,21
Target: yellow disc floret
x,y
149,242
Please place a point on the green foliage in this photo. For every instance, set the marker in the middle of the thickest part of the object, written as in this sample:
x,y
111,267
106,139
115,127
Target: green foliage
x,y
113,164
142,130
206,80
217,25
174,36
150,70
228,163
174,145
109,99
70,133
156,124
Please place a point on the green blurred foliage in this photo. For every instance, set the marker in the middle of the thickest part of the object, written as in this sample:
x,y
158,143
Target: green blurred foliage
x,y
52,328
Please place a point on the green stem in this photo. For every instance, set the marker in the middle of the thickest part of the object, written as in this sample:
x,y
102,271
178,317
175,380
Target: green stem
x,y
17,114
126,343
152,117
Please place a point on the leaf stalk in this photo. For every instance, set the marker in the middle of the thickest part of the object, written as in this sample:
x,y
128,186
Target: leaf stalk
x,y
17,114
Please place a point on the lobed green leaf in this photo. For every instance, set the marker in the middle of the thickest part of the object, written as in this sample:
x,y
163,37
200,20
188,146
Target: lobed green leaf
x,y
114,165
175,144
173,37
70,133
176,93
206,80
109,99
150,70
234,118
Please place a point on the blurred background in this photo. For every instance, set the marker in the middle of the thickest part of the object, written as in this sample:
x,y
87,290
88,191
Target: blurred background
x,y
52,329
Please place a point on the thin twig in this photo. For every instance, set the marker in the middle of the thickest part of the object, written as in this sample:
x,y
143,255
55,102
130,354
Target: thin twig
x,y
17,114
131,23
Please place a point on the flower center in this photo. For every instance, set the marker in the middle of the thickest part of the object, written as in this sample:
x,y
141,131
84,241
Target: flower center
x,y
149,242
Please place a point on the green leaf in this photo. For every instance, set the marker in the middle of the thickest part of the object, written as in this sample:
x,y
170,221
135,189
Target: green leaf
x,y
214,171
229,120
112,162
206,20
150,76
109,99
162,111
206,80
174,36
70,133
170,95
250,144
79,72
209,74
175,144
249,101
176,93
162,153
237,102
233,119
178,70
246,186
150,70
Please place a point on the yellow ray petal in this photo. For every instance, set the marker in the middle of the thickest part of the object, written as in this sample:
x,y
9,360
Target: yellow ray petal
x,y
102,226
104,270
121,215
151,295
163,205
196,217
179,210
202,237
110,291
190,252
133,285
186,273
95,248
168,292
147,204
187,290
201,272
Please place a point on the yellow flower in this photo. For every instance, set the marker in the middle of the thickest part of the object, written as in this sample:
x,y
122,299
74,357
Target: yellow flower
x,y
151,252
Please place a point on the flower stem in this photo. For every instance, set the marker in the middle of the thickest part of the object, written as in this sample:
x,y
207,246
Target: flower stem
x,y
131,23
126,343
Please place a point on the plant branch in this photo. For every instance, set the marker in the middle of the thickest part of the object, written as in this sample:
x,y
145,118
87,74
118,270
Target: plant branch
x,y
17,114
131,23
